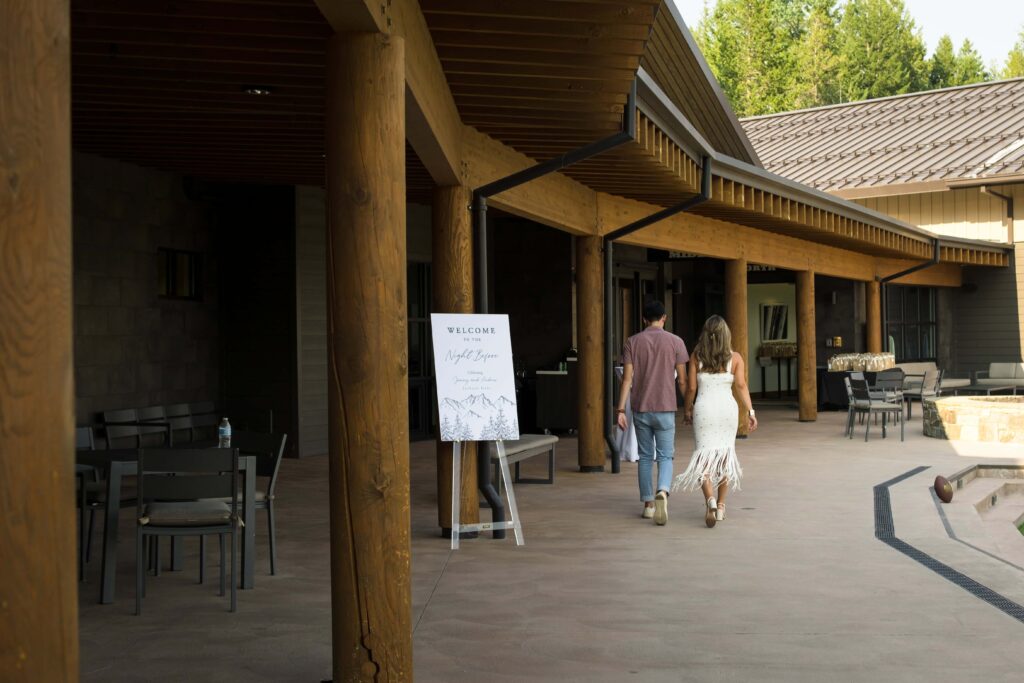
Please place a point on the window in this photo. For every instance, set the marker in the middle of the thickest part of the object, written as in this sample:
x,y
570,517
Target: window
x,y
179,274
910,322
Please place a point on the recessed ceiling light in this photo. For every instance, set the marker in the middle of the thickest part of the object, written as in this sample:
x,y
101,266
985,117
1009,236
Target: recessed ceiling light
x,y
256,90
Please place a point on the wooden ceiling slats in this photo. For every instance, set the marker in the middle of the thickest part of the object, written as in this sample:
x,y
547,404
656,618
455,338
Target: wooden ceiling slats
x,y
289,11
312,45
226,56
221,27
548,10
563,44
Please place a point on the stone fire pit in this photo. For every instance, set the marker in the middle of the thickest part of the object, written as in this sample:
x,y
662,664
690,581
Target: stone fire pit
x,y
998,419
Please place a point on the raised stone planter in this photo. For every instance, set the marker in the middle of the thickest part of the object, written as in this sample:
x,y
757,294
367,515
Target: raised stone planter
x,y
997,419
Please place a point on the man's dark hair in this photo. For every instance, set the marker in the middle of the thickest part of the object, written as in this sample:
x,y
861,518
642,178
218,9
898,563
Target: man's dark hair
x,y
653,310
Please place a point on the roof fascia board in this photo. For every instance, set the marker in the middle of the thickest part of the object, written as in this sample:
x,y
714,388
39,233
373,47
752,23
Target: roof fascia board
x,y
723,101
653,101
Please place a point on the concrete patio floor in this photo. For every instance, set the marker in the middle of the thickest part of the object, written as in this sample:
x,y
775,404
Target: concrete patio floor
x,y
792,586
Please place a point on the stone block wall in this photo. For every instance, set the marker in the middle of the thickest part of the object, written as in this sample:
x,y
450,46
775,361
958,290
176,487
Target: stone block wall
x,y
133,348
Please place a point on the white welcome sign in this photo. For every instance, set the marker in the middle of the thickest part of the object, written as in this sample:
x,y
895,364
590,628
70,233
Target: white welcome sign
x,y
476,392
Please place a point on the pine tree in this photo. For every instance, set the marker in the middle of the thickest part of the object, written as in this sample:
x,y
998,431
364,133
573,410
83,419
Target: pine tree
x,y
748,44
501,426
942,65
882,51
447,433
970,68
816,59
1014,67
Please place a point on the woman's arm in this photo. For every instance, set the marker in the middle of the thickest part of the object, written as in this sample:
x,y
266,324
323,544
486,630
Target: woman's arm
x,y
691,390
740,383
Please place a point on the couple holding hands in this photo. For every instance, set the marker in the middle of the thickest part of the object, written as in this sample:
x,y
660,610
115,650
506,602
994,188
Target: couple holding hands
x,y
707,381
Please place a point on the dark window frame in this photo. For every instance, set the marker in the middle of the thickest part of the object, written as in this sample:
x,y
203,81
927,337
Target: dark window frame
x,y
169,263
911,321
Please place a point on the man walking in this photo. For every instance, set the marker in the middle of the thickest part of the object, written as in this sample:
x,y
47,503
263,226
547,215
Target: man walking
x,y
649,359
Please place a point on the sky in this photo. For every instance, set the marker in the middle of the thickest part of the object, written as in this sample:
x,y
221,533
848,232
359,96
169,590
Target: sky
x,y
992,25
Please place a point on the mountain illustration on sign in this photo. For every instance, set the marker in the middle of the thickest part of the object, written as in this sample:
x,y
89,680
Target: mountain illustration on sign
x,y
478,418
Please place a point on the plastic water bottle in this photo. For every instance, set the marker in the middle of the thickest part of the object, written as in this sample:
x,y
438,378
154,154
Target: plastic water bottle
x,y
224,434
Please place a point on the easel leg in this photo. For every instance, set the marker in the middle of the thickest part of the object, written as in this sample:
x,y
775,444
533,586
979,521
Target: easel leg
x,y
510,493
456,489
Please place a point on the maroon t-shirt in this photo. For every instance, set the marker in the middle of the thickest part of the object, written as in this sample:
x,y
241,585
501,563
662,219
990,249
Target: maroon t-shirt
x,y
654,355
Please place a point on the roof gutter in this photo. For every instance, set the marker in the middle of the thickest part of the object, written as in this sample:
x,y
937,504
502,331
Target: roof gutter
x,y
609,292
482,193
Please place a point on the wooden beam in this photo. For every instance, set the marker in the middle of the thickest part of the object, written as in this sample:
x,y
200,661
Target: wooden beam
x,y
807,379
553,200
433,125
368,359
365,16
590,336
38,577
874,316
452,272
736,317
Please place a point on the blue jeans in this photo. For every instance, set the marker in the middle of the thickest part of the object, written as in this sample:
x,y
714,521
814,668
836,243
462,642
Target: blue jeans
x,y
655,431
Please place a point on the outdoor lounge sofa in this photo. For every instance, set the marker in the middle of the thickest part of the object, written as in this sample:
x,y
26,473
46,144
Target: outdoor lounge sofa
x,y
1002,374
915,375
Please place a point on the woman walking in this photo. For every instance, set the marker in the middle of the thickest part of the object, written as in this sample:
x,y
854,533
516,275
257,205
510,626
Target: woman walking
x,y
714,370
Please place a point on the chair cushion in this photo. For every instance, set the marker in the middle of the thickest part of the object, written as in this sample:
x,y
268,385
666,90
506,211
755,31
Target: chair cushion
x,y
260,497
1002,370
1019,372
187,513
1001,381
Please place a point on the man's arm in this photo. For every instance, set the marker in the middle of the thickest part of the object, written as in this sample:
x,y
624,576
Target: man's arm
x,y
627,384
681,378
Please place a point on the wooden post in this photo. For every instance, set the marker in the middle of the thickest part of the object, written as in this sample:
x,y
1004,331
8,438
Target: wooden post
x,y
807,377
452,271
874,316
590,332
736,317
368,393
38,573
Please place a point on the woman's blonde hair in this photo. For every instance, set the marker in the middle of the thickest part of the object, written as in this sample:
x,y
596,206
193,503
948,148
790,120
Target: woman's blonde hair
x,y
714,347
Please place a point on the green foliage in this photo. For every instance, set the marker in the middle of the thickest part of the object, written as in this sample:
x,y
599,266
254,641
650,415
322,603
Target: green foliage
x,y
748,45
970,68
778,55
942,65
816,81
882,50
1014,67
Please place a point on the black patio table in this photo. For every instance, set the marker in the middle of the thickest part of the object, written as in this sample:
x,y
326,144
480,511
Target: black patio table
x,y
118,463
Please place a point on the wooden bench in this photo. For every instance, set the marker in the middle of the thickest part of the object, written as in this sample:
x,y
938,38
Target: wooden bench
x,y
527,446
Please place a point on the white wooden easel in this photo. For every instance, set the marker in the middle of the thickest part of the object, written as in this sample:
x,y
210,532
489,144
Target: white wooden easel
x,y
513,512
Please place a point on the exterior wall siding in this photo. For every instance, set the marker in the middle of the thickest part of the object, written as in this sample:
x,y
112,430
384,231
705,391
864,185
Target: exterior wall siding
x,y
965,213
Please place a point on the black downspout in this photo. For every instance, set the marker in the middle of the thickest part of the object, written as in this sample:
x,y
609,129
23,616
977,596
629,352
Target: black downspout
x,y
479,208
609,284
884,281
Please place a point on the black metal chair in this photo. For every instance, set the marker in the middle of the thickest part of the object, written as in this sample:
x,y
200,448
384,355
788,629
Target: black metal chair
x,y
86,475
866,404
119,425
175,491
268,450
204,420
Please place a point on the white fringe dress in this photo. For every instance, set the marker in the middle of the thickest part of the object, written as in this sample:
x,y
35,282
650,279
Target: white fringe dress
x,y
715,418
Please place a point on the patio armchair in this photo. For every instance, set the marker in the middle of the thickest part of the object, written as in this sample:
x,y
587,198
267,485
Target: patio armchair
x,y
177,496
865,404
930,387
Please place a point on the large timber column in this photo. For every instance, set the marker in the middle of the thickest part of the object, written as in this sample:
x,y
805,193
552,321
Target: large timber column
x,y
38,576
368,394
736,317
874,316
590,337
452,266
807,360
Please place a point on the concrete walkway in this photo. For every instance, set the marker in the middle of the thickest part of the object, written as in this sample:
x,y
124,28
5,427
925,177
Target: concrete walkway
x,y
792,586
